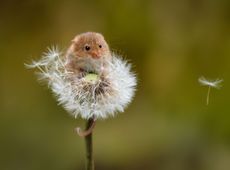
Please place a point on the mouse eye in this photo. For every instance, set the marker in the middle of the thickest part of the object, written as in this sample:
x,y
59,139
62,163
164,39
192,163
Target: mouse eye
x,y
100,46
87,48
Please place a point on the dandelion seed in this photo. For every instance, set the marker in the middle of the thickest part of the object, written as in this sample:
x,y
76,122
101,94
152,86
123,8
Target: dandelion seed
x,y
211,84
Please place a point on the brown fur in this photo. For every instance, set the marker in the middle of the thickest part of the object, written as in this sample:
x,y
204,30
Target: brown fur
x,y
78,57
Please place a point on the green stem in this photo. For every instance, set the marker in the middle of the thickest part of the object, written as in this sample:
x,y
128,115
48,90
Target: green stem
x,y
89,147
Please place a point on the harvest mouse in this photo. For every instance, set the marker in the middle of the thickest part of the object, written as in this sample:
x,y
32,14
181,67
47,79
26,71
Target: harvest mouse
x,y
88,53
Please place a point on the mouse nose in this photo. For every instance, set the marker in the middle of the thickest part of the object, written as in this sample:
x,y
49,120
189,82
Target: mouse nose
x,y
95,55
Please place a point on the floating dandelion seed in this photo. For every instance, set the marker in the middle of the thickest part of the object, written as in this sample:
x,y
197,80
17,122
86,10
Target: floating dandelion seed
x,y
211,84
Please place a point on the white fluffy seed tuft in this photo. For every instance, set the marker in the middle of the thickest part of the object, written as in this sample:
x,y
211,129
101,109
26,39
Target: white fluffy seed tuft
x,y
103,97
215,84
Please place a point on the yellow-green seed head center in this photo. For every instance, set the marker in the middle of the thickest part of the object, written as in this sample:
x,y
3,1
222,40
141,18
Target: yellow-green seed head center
x,y
91,78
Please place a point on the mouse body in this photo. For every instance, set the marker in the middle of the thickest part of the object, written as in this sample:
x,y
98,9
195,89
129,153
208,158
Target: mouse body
x,y
88,53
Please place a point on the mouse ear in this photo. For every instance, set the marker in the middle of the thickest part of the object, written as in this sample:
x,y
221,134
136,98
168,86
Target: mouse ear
x,y
75,39
100,35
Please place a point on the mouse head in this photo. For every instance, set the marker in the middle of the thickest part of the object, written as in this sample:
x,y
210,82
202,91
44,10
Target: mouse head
x,y
90,44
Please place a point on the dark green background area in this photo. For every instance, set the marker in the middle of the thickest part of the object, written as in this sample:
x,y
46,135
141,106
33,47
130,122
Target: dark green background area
x,y
168,126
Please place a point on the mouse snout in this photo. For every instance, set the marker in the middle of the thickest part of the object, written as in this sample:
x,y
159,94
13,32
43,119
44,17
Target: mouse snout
x,y
95,55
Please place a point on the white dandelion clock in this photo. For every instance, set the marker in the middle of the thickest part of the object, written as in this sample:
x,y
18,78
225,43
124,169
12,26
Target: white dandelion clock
x,y
92,95
211,84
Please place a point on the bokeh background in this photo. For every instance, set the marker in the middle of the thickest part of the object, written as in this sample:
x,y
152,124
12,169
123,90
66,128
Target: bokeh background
x,y
168,126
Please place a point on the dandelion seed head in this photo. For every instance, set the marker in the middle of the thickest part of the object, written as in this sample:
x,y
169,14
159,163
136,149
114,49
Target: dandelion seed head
x,y
98,95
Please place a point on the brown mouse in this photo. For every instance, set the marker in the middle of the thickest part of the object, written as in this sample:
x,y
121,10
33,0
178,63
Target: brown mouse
x,y
88,52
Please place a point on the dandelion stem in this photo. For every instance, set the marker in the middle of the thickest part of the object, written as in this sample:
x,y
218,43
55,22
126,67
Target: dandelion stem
x,y
89,146
209,88
87,134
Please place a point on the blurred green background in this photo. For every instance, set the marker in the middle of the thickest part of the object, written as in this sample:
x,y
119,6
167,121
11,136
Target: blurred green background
x,y
168,126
